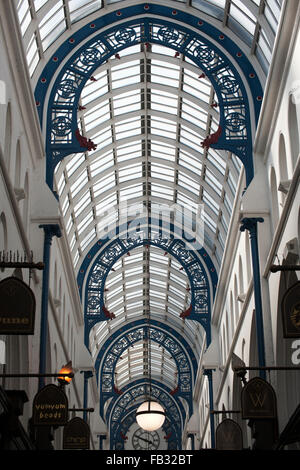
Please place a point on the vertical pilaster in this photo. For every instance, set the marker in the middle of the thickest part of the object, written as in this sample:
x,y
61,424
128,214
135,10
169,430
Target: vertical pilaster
x,y
208,373
86,376
50,231
250,224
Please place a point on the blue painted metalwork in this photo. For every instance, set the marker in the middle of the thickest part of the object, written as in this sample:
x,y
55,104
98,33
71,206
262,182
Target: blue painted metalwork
x,y
121,418
112,251
126,337
86,376
235,123
50,230
208,373
250,224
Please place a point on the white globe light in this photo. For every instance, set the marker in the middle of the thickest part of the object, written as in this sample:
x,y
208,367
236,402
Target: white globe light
x,y
150,416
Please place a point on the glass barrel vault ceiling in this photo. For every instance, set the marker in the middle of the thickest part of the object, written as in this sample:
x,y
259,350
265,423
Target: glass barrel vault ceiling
x,y
254,22
147,112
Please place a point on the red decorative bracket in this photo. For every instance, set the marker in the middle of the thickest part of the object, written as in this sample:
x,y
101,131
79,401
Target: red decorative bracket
x,y
108,314
84,142
167,437
212,139
123,436
174,391
116,390
186,313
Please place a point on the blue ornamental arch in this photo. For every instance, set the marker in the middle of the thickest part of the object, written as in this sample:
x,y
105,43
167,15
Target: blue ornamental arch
x,y
127,336
121,413
201,42
108,252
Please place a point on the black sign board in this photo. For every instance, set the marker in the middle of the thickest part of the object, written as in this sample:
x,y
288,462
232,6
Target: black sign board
x,y
229,436
290,310
258,400
17,307
50,407
76,434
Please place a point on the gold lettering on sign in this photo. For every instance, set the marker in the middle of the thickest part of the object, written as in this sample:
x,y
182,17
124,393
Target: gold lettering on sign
x,y
76,440
14,320
258,399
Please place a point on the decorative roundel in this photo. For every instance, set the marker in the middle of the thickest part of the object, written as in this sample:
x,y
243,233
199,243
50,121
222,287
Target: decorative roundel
x,y
204,53
90,56
67,88
235,122
61,126
168,35
97,277
201,300
125,35
228,84
93,301
119,446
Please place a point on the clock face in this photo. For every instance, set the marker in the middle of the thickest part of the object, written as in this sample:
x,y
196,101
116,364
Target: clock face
x,y
145,440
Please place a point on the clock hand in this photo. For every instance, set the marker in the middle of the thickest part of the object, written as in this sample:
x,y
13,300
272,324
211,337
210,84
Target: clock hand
x,y
145,440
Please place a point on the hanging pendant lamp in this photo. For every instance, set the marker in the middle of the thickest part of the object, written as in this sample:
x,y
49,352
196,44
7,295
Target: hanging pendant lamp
x,y
150,416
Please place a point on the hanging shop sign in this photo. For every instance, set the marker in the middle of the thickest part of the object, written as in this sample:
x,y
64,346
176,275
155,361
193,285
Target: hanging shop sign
x,y
229,436
76,434
50,407
290,309
258,400
17,307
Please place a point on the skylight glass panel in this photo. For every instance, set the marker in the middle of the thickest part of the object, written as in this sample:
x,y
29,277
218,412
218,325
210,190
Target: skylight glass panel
x,y
97,116
129,151
84,201
162,150
127,102
188,183
133,191
217,161
165,75
106,204
193,114
81,8
163,172
103,138
24,15
165,102
85,222
129,127
101,163
87,239
189,137
94,90
190,161
162,50
163,127
213,182
32,55
195,86
106,182
52,24
130,172
75,161
126,74
240,12
79,183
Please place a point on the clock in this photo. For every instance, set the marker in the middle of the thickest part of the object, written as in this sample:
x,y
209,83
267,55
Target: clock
x,y
145,440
